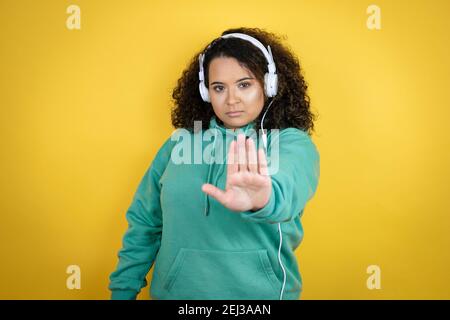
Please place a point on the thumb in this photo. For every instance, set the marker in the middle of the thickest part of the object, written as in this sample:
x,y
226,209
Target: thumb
x,y
214,192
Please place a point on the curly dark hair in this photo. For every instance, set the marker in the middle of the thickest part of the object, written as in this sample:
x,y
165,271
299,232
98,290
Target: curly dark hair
x,y
291,105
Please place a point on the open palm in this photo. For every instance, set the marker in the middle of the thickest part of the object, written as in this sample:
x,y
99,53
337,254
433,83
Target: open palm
x,y
248,185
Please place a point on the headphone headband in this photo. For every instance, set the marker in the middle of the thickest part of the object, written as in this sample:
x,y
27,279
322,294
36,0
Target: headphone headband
x,y
267,52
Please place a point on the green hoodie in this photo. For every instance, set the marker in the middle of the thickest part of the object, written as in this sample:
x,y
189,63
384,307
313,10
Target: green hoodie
x,y
201,249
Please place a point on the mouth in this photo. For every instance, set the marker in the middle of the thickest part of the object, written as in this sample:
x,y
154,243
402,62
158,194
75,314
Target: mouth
x,y
234,114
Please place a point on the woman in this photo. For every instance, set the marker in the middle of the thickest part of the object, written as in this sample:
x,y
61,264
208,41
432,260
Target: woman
x,y
217,220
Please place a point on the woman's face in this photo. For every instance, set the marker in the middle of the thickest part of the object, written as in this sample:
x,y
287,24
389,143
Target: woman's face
x,y
236,95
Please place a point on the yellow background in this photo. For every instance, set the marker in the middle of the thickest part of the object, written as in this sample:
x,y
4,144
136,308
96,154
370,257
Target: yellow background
x,y
83,113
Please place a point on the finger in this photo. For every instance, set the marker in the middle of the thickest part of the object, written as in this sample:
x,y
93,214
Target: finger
x,y
241,153
252,156
262,162
232,165
214,192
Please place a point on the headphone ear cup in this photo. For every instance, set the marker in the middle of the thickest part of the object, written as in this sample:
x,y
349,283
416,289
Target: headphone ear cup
x,y
204,93
271,84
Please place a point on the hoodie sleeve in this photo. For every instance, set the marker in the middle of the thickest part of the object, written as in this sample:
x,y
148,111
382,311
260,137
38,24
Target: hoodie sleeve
x,y
294,179
142,240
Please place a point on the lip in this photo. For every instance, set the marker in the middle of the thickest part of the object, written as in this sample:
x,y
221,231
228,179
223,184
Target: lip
x,y
234,113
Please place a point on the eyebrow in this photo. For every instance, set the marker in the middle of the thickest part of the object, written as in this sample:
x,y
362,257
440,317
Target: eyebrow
x,y
235,82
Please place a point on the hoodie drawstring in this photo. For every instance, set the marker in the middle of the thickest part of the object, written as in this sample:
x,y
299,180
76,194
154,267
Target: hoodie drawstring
x,y
208,180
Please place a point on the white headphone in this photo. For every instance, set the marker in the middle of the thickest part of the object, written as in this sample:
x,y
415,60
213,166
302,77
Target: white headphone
x,y
270,88
270,78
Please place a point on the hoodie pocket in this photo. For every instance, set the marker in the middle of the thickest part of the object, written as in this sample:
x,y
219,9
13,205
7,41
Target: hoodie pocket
x,y
212,274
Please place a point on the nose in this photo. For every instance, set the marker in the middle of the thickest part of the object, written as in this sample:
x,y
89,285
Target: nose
x,y
232,97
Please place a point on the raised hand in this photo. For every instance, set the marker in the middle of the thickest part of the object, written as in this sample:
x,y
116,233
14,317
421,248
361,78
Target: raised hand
x,y
248,185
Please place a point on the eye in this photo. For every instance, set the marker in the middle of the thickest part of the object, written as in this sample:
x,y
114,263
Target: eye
x,y
246,84
215,88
